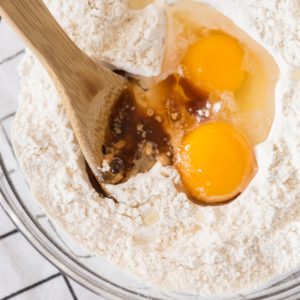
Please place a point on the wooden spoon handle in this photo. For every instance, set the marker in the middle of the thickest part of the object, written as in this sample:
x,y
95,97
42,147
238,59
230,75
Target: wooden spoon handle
x,y
61,57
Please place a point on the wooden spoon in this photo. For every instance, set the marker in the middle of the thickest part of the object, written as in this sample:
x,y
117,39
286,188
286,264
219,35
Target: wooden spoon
x,y
87,90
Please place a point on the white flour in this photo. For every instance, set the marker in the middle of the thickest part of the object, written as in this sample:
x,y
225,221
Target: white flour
x,y
155,233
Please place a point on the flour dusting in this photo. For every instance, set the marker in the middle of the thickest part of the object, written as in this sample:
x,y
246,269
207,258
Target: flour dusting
x,y
155,233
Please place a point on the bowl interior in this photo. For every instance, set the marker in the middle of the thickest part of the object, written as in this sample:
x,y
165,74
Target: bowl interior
x,y
49,239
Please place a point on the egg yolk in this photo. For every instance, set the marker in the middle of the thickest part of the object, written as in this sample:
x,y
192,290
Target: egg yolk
x,y
216,162
215,63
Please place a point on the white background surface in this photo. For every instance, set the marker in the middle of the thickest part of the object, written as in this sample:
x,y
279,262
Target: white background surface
x,y
24,273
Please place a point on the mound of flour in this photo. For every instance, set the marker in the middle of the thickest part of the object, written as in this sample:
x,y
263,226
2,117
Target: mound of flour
x,y
154,232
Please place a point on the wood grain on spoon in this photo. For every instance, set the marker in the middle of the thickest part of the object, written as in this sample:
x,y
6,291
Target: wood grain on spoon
x,y
88,91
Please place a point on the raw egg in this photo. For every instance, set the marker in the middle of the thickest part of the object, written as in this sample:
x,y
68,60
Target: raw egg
x,y
216,63
216,162
223,60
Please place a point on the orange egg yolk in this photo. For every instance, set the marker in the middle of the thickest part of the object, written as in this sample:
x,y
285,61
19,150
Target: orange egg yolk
x,y
216,162
215,63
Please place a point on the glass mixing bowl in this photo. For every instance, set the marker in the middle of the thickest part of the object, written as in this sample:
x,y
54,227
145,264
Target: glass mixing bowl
x,y
92,272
